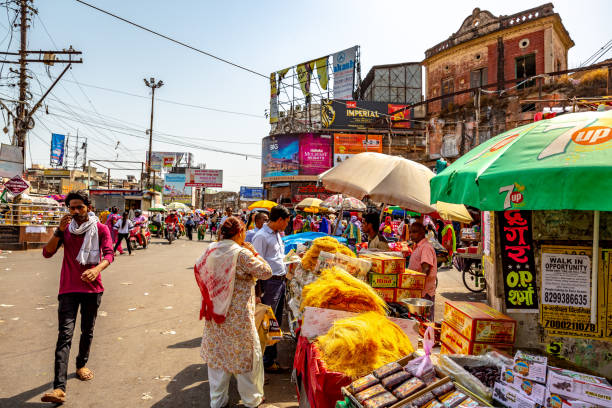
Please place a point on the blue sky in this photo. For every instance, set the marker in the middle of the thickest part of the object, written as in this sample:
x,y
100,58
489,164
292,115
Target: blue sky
x,y
264,36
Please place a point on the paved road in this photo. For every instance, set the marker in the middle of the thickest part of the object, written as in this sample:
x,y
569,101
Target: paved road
x,y
146,343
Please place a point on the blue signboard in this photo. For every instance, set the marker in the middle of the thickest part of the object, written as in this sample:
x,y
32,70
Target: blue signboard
x,y
251,193
57,149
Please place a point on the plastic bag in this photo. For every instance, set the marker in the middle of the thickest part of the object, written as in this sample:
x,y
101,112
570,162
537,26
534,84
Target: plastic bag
x,y
357,267
422,367
453,365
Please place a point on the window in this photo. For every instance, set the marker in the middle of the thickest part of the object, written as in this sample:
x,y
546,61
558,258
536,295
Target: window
x,y
525,68
448,87
478,78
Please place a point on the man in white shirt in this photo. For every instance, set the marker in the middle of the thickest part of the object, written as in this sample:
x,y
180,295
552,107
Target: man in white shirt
x,y
260,219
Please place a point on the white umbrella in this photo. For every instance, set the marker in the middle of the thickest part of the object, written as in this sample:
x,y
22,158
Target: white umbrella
x,y
384,178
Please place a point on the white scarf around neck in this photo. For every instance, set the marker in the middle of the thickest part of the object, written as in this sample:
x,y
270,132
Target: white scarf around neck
x,y
89,254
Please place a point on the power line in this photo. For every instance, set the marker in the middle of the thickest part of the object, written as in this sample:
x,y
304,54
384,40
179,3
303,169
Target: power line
x,y
173,40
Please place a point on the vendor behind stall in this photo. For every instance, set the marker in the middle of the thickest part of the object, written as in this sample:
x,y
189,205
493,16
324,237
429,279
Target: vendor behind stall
x,y
371,225
423,259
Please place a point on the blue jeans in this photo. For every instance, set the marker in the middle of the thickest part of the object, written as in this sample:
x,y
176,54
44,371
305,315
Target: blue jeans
x,y
273,296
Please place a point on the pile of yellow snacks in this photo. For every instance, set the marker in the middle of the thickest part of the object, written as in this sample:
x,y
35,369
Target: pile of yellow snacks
x,y
336,289
355,346
327,244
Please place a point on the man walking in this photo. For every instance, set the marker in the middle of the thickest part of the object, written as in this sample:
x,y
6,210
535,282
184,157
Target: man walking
x,y
269,245
423,259
87,252
189,225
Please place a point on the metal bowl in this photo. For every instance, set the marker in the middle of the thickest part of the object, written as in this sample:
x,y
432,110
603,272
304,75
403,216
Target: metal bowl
x,y
417,306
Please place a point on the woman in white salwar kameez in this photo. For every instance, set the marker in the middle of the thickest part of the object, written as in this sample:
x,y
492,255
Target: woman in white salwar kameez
x,y
226,274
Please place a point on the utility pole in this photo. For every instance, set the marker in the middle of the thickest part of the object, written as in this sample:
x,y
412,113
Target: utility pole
x,y
20,125
151,84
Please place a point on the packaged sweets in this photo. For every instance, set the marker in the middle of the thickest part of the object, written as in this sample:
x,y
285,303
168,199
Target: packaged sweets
x,y
468,403
369,393
411,280
434,404
362,384
394,379
452,399
380,280
423,399
478,322
530,367
409,387
443,389
387,370
380,401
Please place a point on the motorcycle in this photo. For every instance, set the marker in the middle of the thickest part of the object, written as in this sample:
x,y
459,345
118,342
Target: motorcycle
x,y
140,235
171,231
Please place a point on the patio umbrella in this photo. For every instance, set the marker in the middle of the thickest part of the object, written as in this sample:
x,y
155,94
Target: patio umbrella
x,y
338,201
309,202
453,212
384,178
268,205
564,163
177,206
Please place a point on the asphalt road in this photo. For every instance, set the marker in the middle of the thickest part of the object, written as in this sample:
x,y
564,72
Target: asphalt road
x,y
145,351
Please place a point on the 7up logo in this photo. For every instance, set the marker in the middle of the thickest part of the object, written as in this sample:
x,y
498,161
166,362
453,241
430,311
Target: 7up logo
x,y
581,133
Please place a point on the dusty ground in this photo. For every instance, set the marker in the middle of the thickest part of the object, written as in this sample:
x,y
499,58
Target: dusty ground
x,y
146,343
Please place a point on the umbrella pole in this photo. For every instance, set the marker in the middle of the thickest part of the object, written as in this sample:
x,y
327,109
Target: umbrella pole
x,y
339,218
595,269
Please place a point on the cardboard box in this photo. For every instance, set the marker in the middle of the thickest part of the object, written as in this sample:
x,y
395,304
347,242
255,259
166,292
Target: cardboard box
x,y
479,322
379,280
458,344
385,264
527,388
411,280
387,294
558,401
511,398
530,366
401,294
444,349
582,387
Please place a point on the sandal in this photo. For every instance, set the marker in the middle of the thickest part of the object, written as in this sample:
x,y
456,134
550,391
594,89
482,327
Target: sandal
x,y
84,374
275,368
57,396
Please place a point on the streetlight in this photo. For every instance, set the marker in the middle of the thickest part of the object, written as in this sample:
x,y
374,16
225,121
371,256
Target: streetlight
x,y
151,84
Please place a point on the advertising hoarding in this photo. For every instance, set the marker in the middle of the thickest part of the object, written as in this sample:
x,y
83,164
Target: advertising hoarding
x,y
280,156
344,73
337,114
203,178
164,160
175,189
251,193
11,160
57,149
349,144
315,153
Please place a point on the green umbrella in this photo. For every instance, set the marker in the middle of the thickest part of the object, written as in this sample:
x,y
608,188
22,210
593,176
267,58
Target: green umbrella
x,y
555,164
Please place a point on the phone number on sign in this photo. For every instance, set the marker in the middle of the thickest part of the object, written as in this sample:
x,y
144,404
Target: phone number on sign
x,y
569,299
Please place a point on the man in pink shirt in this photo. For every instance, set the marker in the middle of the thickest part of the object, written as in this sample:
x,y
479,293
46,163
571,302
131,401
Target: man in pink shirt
x,y
423,259
88,251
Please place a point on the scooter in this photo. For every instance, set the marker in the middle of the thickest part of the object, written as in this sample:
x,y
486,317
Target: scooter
x,y
171,232
140,235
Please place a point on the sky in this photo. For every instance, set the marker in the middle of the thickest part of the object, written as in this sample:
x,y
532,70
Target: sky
x,y
261,35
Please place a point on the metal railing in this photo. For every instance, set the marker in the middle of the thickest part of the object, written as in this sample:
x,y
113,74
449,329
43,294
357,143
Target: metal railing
x,y
31,214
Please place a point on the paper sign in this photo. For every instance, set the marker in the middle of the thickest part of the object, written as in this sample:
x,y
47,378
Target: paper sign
x,y
566,280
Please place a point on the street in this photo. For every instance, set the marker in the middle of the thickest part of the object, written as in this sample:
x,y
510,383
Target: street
x,y
146,343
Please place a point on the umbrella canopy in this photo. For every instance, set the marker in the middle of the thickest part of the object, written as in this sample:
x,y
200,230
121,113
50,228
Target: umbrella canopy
x,y
399,211
158,209
387,179
177,206
555,164
310,202
338,201
453,212
268,205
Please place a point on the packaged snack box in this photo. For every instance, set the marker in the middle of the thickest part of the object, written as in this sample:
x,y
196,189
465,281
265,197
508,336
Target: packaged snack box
x,y
411,280
457,344
452,399
401,294
387,294
479,322
582,387
509,397
379,280
528,388
444,349
385,264
530,366
558,401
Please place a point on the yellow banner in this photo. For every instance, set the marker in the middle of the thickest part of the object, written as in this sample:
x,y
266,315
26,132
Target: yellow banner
x,y
321,65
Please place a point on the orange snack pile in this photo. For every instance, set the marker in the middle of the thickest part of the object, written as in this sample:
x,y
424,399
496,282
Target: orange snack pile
x,y
327,244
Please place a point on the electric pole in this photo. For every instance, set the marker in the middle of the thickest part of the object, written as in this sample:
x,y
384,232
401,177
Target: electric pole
x,y
151,84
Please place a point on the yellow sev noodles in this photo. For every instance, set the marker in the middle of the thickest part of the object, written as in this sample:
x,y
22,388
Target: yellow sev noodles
x,y
327,244
339,290
356,346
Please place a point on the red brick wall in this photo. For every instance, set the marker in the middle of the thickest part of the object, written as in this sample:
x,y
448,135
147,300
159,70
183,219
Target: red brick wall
x,y
512,51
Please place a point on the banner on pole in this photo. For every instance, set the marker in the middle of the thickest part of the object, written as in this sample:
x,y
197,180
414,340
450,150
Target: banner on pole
x,y
57,149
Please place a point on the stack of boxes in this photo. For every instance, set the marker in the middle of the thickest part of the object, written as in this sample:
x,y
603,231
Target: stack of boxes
x,y
475,328
390,278
531,383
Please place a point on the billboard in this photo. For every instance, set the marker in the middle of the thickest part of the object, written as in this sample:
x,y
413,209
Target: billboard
x,y
364,115
164,160
280,156
315,153
11,160
203,178
349,144
175,189
251,193
57,149
344,73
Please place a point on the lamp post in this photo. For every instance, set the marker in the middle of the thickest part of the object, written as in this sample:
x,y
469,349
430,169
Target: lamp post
x,y
153,85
